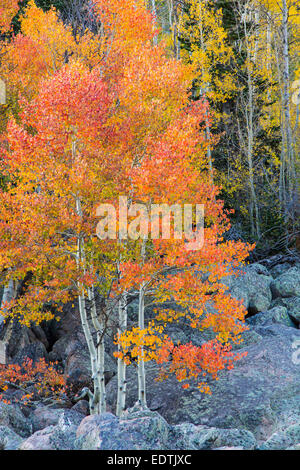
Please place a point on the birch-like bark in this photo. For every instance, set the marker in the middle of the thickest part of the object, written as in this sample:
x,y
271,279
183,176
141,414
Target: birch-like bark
x,y
286,104
209,157
9,294
98,402
249,113
176,33
170,11
141,362
255,228
101,371
282,189
122,383
94,402
154,13
207,127
98,325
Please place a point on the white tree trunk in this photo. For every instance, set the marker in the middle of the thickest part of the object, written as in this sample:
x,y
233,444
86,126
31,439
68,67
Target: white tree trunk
x,y
97,353
100,373
94,402
249,113
141,363
100,348
9,294
286,108
122,383
208,138
154,13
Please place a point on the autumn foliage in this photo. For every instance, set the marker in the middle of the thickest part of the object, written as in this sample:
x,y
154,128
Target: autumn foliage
x,y
189,362
34,382
8,10
97,121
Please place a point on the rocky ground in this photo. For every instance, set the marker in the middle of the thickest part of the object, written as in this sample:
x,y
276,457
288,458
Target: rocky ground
x,y
254,406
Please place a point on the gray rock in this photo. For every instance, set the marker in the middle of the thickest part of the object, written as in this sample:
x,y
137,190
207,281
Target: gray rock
x,y
229,448
186,334
82,407
190,437
287,284
9,440
140,430
282,440
253,286
279,269
44,439
148,430
59,437
248,337
35,351
235,438
40,335
43,416
72,351
294,432
12,416
68,419
23,342
296,447
278,441
261,393
260,269
274,315
293,306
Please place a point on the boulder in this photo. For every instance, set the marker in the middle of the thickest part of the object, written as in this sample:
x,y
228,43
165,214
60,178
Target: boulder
x,y
137,430
295,447
282,440
44,416
23,342
287,284
274,315
82,407
280,269
9,440
187,436
34,351
45,439
69,418
260,394
293,306
235,439
12,417
252,285
143,429
186,334
73,352
229,448
248,337
190,437
59,437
